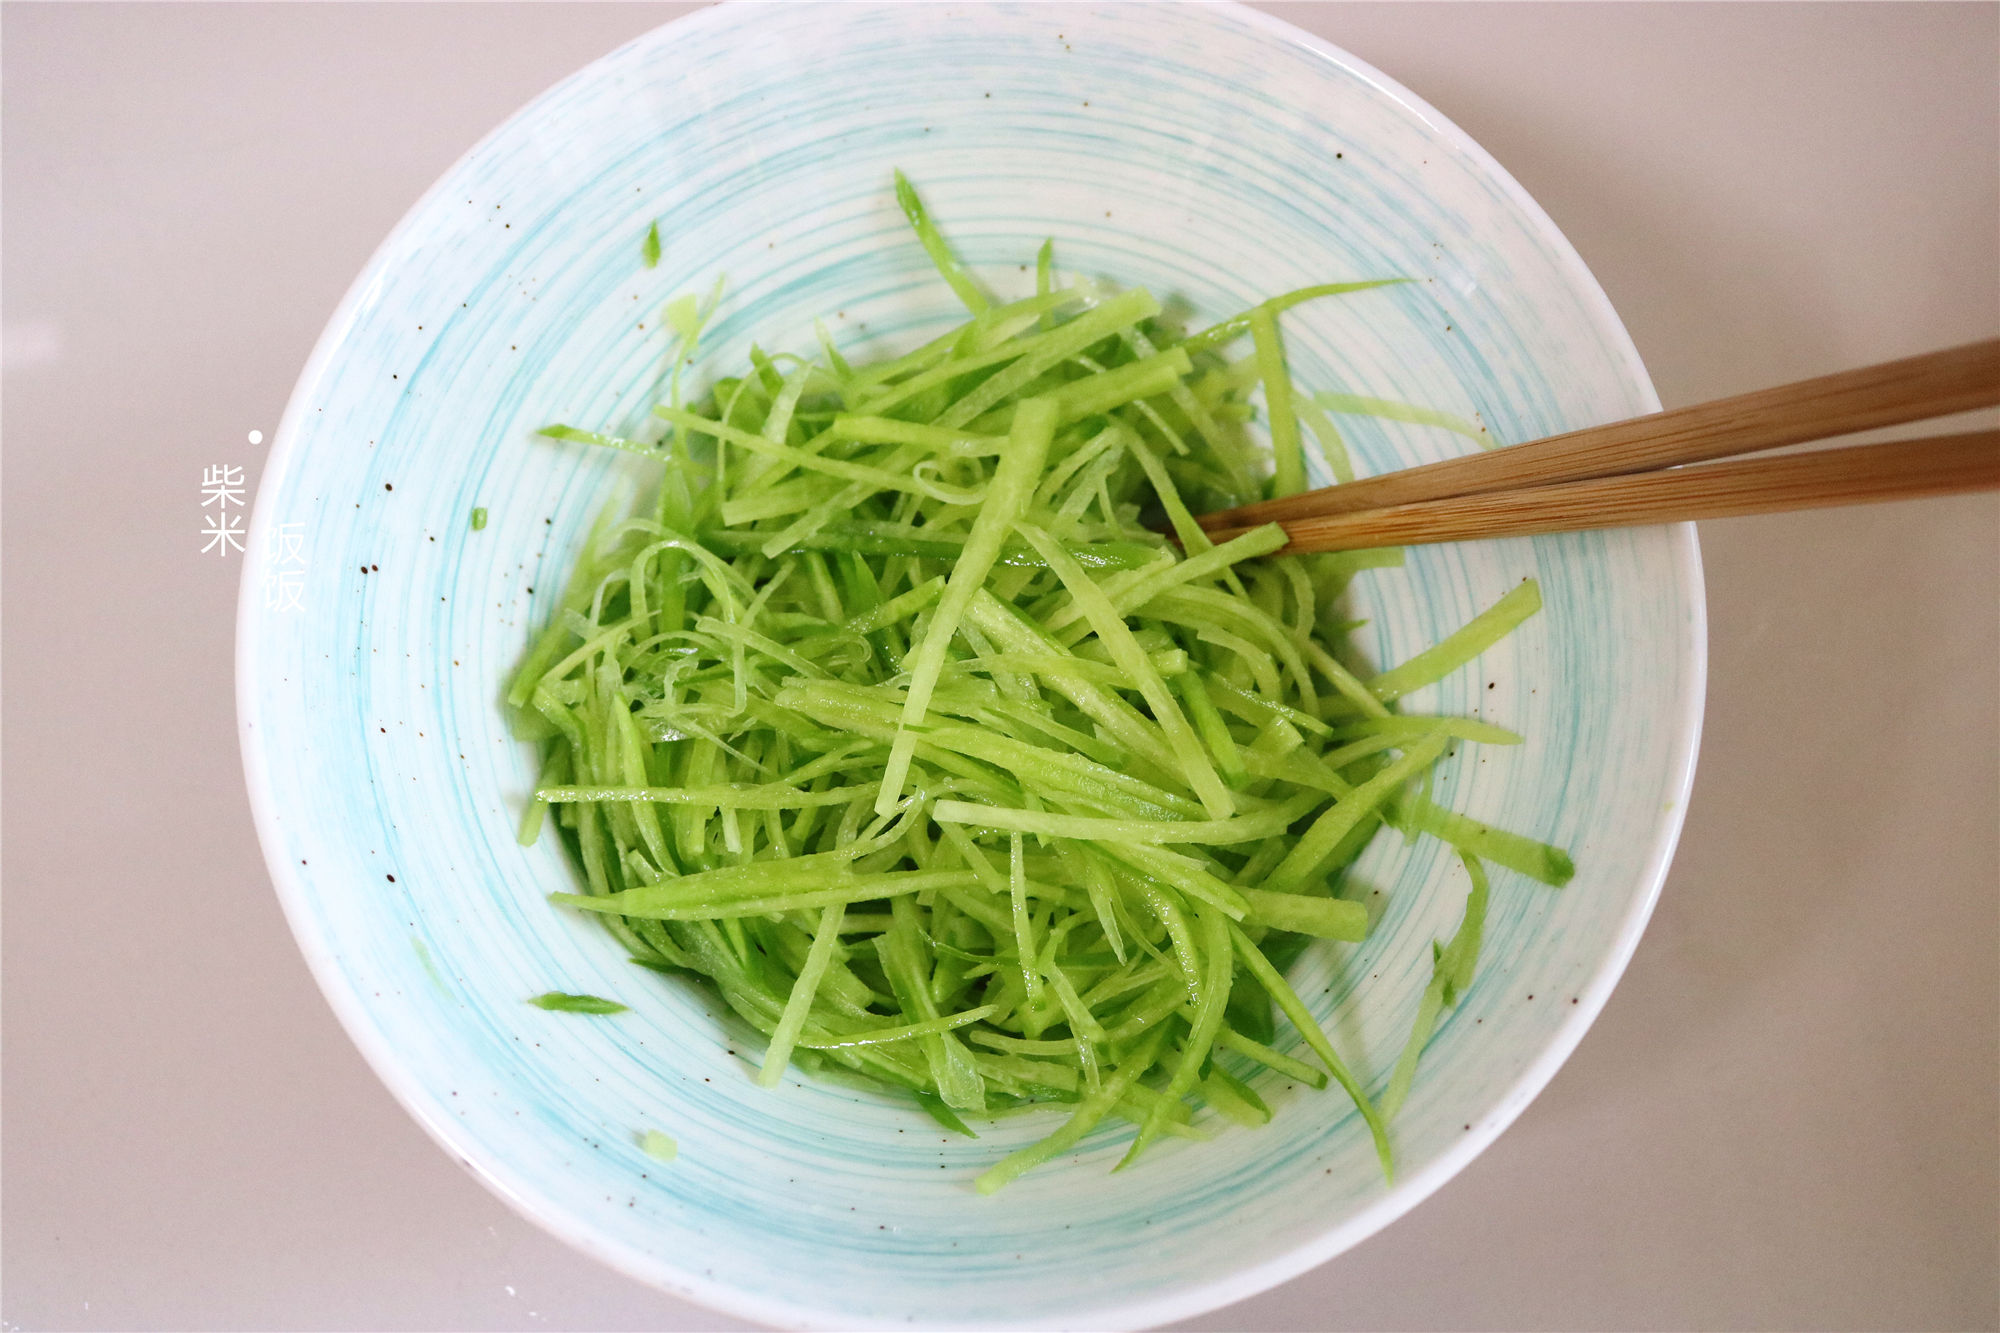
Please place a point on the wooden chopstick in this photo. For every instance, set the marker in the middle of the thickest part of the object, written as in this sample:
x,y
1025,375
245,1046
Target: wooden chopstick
x,y
1863,474
1958,379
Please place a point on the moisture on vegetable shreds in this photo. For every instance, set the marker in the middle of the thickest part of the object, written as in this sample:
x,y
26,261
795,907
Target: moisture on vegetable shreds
x,y
890,719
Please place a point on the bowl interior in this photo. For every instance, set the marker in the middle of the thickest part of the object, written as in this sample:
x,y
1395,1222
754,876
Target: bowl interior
x,y
1210,154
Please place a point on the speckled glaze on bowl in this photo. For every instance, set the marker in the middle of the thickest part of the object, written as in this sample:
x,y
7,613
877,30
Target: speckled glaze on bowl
x,y
1211,153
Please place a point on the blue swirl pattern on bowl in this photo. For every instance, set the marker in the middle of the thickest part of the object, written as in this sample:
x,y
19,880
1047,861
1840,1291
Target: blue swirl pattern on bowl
x,y
1211,154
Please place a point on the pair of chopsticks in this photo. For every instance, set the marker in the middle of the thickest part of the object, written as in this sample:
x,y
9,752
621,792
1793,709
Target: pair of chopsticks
x,y
1629,472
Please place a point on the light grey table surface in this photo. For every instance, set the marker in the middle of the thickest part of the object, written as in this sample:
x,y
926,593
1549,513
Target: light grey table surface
x,y
1787,1116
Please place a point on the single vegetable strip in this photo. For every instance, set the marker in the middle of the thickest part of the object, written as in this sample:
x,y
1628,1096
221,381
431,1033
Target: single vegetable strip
x,y
1302,1019
1277,1060
1235,1099
952,1069
905,1032
1536,860
741,796
1217,335
799,1004
1388,410
1310,853
1451,975
1327,918
1045,261
576,1004
933,242
662,902
1211,832
1289,475
1456,649
1007,495
1202,1027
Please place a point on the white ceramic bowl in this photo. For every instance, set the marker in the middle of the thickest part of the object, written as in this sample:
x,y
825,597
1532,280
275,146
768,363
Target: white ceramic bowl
x,y
1209,153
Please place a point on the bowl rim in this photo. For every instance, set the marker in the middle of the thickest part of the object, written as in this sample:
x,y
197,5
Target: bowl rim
x,y
1241,1284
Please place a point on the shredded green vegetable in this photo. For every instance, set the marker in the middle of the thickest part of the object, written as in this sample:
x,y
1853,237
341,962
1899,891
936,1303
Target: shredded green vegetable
x,y
890,718
576,1004
1451,974
478,519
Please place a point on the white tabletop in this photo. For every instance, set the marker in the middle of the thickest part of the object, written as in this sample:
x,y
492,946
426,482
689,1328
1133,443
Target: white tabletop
x,y
1789,1116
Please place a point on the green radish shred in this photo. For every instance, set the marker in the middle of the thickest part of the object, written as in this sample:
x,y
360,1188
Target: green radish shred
x,y
1006,499
1326,918
1235,1099
1230,329
933,241
1536,860
1357,405
1276,1060
1451,976
1288,476
1484,630
563,1003
650,249
888,718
